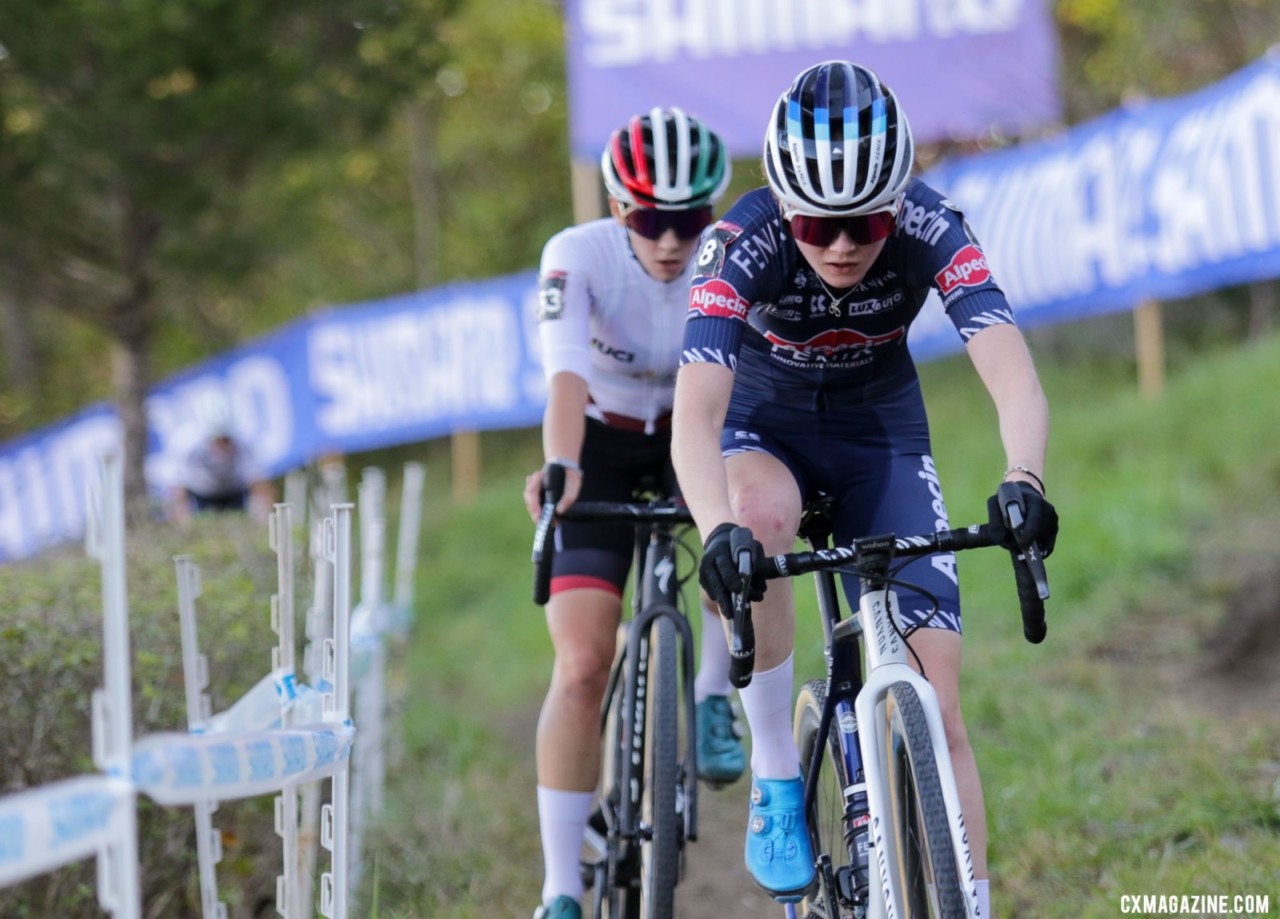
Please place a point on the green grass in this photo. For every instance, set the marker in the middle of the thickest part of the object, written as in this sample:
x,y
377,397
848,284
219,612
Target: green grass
x,y
1107,771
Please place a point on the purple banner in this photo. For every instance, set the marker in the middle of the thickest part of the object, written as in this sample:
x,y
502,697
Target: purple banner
x,y
959,67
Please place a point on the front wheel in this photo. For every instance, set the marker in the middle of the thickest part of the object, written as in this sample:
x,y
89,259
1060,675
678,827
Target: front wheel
x,y
661,820
918,834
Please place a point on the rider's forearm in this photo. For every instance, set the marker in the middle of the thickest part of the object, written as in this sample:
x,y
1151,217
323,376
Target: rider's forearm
x,y
1001,358
563,424
701,399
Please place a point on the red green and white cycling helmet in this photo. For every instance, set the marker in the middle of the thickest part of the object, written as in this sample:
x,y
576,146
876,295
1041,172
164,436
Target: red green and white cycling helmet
x,y
838,143
666,160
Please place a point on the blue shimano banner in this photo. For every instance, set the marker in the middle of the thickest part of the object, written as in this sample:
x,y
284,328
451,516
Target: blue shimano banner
x,y
1160,200
355,378
1166,199
959,69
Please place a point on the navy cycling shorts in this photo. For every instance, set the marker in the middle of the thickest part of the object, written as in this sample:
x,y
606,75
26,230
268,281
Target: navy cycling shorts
x,y
875,461
614,463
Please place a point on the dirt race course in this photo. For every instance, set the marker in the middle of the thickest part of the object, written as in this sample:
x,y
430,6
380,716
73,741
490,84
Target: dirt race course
x,y
717,884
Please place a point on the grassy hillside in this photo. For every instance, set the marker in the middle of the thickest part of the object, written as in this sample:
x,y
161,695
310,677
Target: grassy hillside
x,y
1116,758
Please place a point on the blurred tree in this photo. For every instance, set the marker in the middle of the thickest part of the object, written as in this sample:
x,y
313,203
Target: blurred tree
x,y
133,132
265,159
1117,50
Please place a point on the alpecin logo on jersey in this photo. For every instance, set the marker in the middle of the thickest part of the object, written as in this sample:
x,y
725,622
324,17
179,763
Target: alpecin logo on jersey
x,y
551,294
968,268
717,299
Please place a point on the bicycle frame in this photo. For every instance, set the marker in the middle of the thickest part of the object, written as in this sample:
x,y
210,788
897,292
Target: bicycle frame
x,y
856,703
617,862
891,696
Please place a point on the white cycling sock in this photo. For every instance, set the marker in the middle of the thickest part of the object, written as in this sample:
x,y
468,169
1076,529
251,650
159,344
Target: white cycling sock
x,y
713,657
562,819
984,898
767,705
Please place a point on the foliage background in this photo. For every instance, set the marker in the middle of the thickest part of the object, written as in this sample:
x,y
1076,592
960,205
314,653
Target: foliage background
x,y
260,161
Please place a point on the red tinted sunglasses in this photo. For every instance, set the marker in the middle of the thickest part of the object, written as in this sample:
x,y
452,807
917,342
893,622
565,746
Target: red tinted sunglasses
x,y
651,223
863,229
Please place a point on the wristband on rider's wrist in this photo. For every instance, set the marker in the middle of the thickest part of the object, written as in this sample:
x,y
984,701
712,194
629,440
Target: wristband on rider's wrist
x,y
1027,472
571,465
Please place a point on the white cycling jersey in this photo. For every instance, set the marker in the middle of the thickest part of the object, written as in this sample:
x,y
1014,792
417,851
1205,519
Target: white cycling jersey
x,y
602,317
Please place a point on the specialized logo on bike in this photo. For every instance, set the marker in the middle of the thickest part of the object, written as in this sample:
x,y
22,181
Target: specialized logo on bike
x,y
664,569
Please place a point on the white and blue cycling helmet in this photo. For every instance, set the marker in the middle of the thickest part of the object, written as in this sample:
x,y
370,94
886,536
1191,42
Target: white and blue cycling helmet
x,y
838,143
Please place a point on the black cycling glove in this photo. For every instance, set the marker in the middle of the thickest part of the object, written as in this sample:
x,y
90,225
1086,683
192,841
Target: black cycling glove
x,y
1039,521
718,571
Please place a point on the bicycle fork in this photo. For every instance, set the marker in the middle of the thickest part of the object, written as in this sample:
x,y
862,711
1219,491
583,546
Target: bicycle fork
x,y
850,884
635,689
887,665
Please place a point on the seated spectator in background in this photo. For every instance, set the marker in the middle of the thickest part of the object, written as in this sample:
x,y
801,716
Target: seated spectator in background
x,y
219,473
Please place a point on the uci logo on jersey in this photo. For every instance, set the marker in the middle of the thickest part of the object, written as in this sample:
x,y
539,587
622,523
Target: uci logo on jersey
x,y
551,294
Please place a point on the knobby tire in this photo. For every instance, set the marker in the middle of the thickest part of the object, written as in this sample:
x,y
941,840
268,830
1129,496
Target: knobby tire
x,y
660,854
918,833
620,900
827,833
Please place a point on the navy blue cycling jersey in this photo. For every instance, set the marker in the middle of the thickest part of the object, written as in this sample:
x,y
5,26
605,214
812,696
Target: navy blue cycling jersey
x,y
824,381
758,308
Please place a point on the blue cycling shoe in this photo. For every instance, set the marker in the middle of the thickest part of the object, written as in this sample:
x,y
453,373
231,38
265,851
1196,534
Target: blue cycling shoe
x,y
778,854
560,908
721,759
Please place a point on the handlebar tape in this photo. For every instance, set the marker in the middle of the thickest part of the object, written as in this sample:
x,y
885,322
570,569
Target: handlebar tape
x,y
742,634
1028,569
543,550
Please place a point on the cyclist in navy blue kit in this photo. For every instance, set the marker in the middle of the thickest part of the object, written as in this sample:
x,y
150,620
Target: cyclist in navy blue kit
x,y
796,379
613,297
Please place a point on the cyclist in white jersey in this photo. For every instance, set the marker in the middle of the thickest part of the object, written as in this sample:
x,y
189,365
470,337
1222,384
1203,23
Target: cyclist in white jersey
x,y
613,296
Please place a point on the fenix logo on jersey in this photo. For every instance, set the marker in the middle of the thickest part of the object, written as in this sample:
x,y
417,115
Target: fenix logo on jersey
x,y
968,268
718,299
833,341
551,294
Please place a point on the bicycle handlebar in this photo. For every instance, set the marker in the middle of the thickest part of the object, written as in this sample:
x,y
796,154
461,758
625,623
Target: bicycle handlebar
x,y
668,512
1028,568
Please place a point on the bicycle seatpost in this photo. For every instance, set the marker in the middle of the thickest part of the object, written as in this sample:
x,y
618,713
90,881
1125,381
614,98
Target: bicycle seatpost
x,y
742,634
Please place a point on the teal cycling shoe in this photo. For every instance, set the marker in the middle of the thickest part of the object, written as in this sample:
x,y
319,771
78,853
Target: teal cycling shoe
x,y
559,908
721,759
778,854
